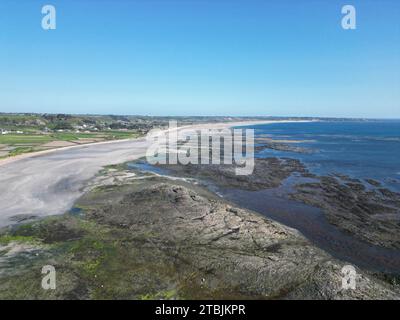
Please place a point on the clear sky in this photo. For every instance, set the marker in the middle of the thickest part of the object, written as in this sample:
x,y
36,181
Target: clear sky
x,y
201,57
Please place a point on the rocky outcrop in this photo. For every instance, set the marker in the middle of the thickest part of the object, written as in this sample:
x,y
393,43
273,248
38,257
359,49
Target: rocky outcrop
x,y
370,214
232,252
153,239
268,173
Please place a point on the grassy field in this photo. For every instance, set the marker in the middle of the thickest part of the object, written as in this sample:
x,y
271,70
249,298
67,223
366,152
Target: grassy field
x,y
14,144
12,139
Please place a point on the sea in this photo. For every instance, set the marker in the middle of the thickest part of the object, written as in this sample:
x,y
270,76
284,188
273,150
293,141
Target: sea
x,y
359,149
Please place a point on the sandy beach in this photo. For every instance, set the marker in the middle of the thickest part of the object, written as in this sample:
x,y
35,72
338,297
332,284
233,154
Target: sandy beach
x,y
49,182
8,160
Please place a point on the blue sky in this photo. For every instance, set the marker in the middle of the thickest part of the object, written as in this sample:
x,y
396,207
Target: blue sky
x,y
201,57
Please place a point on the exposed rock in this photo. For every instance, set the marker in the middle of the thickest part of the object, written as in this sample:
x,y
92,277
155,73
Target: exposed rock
x,y
268,173
282,147
236,251
151,239
373,182
370,215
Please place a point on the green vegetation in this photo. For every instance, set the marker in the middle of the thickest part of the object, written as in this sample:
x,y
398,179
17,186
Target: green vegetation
x,y
94,259
20,150
13,139
162,295
22,133
89,255
37,123
7,238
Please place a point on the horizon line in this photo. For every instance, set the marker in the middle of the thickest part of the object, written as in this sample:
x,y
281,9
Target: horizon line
x,y
196,116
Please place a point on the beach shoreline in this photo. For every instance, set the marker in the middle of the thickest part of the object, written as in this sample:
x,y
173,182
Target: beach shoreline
x,y
11,159
48,183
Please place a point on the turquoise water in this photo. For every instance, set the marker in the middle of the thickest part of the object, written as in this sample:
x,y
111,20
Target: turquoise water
x,y
360,149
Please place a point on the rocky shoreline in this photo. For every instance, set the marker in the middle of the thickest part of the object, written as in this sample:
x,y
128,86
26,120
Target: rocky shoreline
x,y
369,212
138,235
364,209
